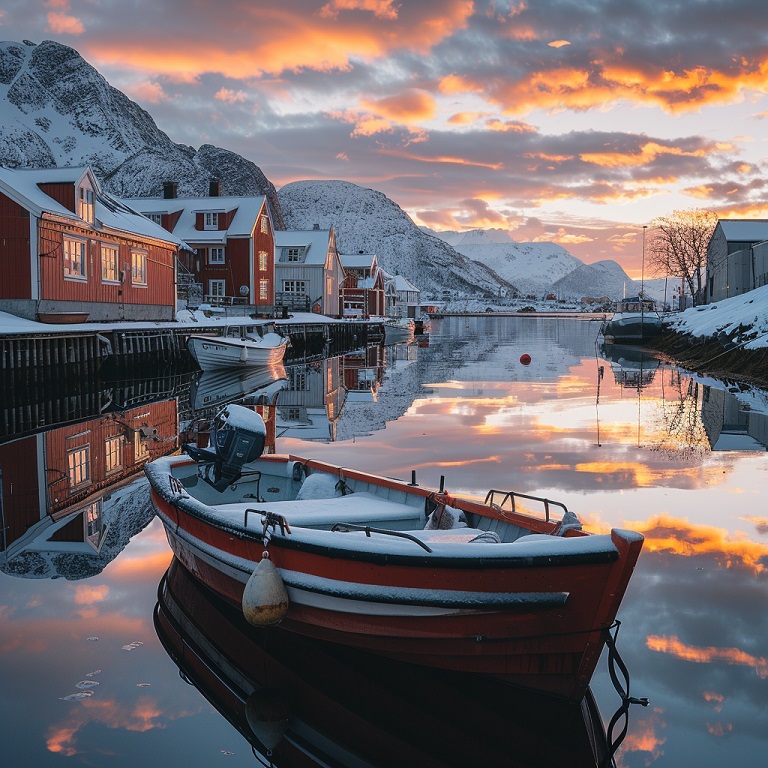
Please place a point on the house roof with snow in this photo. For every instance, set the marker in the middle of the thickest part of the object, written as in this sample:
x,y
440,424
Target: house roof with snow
x,y
358,260
314,242
404,284
247,210
744,230
22,186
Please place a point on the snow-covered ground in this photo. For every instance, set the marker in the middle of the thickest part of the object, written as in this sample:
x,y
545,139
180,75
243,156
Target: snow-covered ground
x,y
744,319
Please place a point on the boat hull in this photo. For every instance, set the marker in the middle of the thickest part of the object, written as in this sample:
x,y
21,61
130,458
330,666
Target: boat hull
x,y
631,330
212,353
535,621
353,707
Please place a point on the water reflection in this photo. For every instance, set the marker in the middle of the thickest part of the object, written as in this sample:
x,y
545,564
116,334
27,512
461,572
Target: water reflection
x,y
678,457
303,702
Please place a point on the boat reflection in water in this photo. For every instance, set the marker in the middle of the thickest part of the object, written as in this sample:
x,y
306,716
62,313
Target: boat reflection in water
x,y
302,702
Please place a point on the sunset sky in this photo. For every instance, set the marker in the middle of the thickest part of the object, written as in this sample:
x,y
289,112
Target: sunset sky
x,y
575,122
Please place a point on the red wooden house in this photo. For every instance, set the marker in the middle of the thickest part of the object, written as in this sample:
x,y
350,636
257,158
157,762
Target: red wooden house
x,y
56,485
232,239
362,291
70,252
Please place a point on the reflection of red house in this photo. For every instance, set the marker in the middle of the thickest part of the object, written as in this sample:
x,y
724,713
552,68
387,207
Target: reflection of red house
x,y
233,239
53,483
362,292
71,252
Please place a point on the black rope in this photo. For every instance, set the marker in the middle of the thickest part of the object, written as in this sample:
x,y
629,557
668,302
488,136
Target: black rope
x,y
622,688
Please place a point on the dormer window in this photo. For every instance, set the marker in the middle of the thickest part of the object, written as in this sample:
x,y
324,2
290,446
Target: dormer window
x,y
211,221
155,218
85,205
293,254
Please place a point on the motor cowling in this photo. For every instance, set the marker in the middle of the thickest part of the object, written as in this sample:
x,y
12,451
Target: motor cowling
x,y
238,437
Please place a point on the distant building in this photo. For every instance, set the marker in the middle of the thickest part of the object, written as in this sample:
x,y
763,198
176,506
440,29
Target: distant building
x,y
362,291
737,258
308,271
232,240
71,252
404,295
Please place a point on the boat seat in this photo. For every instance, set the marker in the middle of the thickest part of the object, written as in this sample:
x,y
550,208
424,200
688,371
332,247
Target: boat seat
x,y
356,508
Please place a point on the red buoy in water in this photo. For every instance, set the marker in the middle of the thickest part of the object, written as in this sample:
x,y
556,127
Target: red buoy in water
x,y
525,359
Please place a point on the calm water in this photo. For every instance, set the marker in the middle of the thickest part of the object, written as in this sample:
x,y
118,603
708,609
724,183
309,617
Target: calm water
x,y
624,442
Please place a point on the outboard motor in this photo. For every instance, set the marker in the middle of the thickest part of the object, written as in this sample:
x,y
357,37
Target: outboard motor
x,y
238,436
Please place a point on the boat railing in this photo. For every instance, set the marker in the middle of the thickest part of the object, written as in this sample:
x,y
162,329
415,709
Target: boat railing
x,y
346,527
509,501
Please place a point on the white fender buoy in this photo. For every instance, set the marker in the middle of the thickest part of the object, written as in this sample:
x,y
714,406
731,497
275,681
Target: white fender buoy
x,y
267,715
244,355
265,598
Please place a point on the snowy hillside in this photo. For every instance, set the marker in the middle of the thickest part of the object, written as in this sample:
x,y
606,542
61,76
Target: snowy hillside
x,y
57,110
533,268
367,221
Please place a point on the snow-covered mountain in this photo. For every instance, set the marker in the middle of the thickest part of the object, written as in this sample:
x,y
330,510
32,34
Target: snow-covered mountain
x,y
533,268
57,110
369,222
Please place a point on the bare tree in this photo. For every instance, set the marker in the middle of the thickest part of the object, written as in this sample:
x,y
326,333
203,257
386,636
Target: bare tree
x,y
678,246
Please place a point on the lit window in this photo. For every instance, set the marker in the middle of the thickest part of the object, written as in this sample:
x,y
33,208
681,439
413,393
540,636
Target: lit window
x,y
211,221
140,450
113,454
79,466
139,267
262,261
110,264
215,255
74,259
86,204
264,225
263,289
94,523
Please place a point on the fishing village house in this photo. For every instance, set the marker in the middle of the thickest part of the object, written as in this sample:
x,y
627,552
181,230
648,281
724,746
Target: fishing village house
x,y
232,242
407,297
57,484
362,290
308,271
72,253
737,258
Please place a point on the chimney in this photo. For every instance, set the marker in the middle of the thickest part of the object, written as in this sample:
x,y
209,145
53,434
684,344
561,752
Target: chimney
x,y
214,188
169,189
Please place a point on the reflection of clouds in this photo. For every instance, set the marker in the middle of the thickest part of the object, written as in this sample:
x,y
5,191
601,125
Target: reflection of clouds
x,y
670,534
701,655
86,594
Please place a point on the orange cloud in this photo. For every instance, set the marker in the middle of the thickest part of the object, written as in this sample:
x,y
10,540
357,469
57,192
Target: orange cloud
x,y
648,153
717,698
509,126
147,91
644,737
86,595
229,96
664,533
63,24
558,43
132,566
673,646
719,729
408,107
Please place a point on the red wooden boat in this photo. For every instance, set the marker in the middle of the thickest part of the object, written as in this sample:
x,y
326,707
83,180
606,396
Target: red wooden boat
x,y
490,588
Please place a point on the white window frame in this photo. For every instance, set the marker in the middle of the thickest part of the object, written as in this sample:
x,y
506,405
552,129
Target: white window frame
x,y
75,259
293,254
86,208
155,218
210,221
216,255
214,286
295,286
93,523
110,263
138,268
79,466
113,454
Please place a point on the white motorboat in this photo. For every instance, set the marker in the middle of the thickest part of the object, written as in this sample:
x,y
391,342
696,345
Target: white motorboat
x,y
635,321
398,329
240,346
